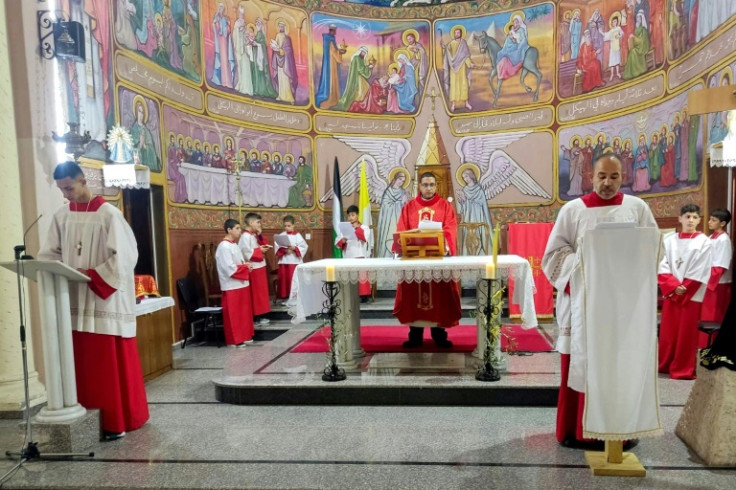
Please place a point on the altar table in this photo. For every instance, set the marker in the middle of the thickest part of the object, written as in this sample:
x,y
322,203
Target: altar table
x,y
307,297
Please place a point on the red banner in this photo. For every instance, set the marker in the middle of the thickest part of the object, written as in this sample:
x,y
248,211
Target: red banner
x,y
529,240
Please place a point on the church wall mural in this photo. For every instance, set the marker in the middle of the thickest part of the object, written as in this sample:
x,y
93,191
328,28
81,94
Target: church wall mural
x,y
223,95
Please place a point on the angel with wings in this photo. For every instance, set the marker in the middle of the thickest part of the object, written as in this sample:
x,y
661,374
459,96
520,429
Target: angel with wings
x,y
384,160
494,171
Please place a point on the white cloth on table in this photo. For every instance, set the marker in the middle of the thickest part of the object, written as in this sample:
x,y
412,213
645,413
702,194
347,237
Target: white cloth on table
x,y
150,305
307,297
208,185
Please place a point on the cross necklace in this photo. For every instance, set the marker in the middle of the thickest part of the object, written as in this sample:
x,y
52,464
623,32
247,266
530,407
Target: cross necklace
x,y
79,244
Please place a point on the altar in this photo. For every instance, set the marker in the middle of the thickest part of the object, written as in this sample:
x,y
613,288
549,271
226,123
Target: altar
x,y
307,297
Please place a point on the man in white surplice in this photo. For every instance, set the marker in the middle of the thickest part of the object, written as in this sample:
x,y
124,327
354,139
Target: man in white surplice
x,y
562,266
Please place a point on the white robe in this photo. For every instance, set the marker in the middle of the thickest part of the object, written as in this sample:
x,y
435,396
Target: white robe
x,y
108,246
561,255
248,244
357,249
721,254
228,257
297,241
688,258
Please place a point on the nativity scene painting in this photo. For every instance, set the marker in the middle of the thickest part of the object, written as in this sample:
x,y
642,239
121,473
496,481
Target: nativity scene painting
x,y
660,148
166,32
217,164
500,60
369,67
609,42
257,49
140,116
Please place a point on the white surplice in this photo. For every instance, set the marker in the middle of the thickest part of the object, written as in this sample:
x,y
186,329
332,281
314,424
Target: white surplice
x,y
297,241
101,240
228,257
721,253
614,336
688,258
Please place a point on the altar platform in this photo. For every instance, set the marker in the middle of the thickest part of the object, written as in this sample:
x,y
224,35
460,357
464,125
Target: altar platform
x,y
270,372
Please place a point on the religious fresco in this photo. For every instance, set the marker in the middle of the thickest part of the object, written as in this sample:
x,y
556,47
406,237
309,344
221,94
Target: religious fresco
x,y
499,60
691,21
140,115
368,66
217,164
257,49
166,32
661,149
718,121
608,43
86,88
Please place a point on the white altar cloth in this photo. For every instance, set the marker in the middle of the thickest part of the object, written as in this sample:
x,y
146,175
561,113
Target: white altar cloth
x,y
208,185
307,297
150,305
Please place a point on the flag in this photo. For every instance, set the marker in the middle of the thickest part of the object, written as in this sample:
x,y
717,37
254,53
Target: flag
x,y
364,202
336,210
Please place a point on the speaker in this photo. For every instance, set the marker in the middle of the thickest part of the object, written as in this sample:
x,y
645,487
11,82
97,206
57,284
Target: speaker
x,y
69,40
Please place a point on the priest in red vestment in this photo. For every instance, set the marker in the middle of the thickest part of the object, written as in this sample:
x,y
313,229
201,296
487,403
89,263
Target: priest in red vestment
x,y
92,236
435,304
589,65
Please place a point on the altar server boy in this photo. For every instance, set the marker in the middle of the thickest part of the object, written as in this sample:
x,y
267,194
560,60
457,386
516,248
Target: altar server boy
x,y
358,247
289,256
718,293
683,276
233,272
254,247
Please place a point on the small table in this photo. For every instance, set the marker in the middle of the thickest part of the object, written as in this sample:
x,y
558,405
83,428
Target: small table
x,y
154,335
307,298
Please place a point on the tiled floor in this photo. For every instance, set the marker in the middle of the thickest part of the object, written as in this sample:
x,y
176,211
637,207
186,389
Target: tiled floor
x,y
193,441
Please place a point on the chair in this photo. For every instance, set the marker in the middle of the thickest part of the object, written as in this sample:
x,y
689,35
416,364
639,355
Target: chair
x,y
711,328
207,270
577,84
209,317
649,59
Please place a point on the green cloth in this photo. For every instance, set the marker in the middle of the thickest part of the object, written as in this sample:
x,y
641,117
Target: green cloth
x,y
692,144
303,179
262,75
357,69
656,159
636,63
147,153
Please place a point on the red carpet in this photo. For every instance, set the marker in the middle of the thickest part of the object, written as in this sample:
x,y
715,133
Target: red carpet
x,y
377,338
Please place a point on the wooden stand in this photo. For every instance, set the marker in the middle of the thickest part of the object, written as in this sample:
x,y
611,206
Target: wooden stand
x,y
614,461
422,244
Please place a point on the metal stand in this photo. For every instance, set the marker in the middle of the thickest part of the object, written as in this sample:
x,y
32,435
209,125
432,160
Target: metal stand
x,y
30,451
330,309
490,311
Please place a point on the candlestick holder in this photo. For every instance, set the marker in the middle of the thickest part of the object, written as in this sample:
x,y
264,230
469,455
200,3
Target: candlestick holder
x,y
489,309
330,310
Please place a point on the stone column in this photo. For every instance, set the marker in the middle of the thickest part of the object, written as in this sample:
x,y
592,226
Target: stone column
x,y
12,394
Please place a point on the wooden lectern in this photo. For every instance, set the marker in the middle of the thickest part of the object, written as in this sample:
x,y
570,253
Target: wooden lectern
x,y
421,244
53,277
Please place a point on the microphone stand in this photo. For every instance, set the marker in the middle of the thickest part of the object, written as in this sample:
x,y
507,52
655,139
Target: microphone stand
x,y
30,451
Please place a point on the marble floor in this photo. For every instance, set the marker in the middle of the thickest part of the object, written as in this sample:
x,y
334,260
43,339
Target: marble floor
x,y
194,441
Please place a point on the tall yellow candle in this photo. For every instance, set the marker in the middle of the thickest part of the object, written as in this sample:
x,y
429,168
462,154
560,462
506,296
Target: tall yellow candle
x,y
330,273
490,271
496,235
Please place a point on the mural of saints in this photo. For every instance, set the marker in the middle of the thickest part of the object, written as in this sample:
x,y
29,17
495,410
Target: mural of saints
x,y
388,182
141,116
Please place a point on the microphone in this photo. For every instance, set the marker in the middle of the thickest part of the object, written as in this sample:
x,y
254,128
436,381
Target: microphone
x,y
22,248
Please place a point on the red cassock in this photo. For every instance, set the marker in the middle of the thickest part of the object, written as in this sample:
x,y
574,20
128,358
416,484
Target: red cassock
x,y
437,302
591,67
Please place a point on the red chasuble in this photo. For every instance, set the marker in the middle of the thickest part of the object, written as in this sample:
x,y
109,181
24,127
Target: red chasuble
x,y
437,302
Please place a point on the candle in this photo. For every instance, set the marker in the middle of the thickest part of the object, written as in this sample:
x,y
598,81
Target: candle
x,y
496,234
330,273
490,271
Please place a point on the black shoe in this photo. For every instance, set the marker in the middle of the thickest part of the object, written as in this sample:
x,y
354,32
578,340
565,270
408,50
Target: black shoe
x,y
112,436
411,344
445,344
586,445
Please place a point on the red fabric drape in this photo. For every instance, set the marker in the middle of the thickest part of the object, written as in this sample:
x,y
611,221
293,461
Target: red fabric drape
x,y
529,240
